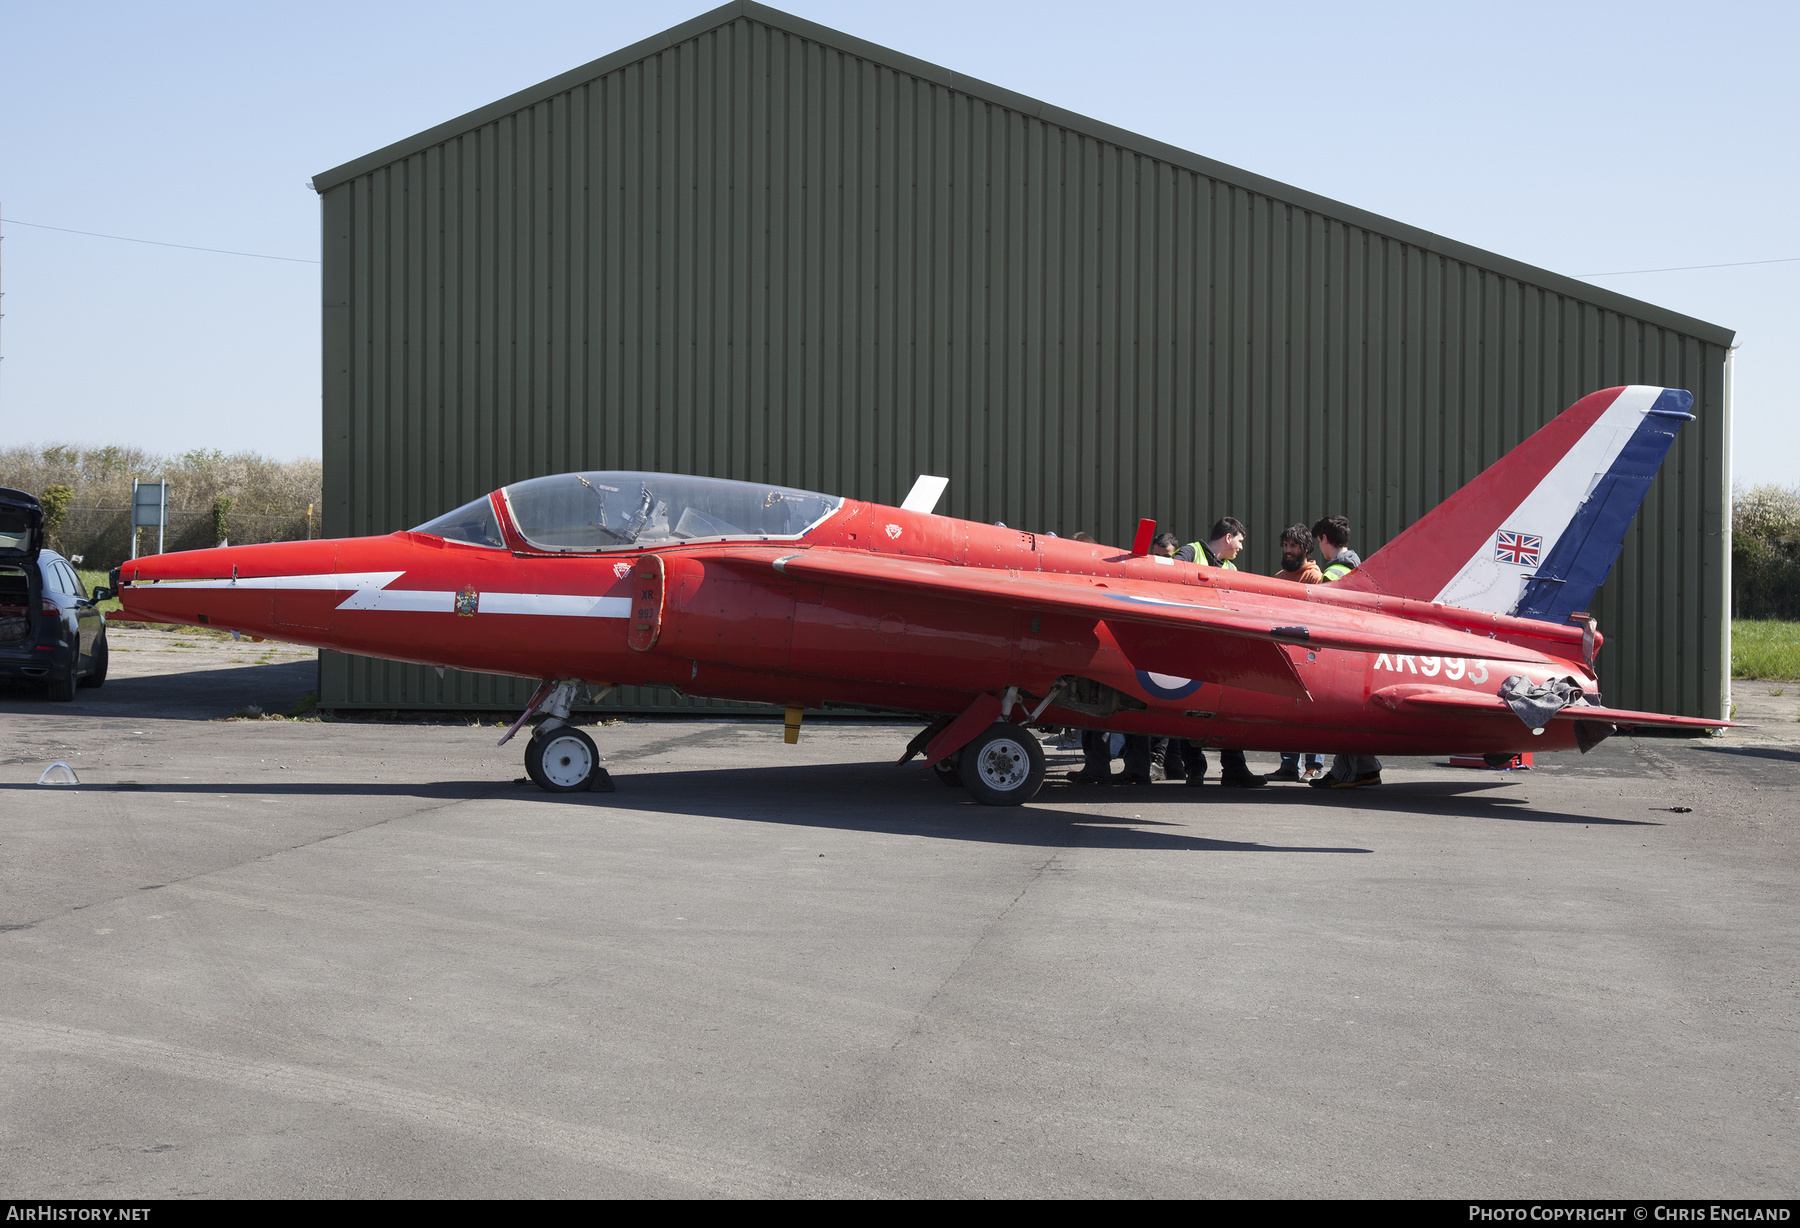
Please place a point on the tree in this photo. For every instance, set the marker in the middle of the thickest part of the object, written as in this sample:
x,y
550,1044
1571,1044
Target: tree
x,y
55,501
1765,552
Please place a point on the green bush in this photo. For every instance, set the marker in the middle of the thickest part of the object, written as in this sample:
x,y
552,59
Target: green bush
x,y
55,502
268,499
1765,553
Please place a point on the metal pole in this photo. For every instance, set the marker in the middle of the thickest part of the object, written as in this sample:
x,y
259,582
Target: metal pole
x,y
1726,543
133,517
162,513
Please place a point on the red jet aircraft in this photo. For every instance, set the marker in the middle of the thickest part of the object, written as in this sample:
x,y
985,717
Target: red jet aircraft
x,y
748,591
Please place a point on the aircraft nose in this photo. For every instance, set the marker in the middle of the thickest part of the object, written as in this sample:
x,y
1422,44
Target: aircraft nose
x,y
232,586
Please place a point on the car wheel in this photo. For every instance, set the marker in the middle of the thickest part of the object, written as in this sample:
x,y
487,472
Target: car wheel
x,y
62,683
1003,766
96,675
564,760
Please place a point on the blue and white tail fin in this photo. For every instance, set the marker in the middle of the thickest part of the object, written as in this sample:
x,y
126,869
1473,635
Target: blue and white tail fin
x,y
1536,533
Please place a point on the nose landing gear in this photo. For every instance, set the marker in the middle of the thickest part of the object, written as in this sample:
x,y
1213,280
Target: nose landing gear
x,y
565,760
560,758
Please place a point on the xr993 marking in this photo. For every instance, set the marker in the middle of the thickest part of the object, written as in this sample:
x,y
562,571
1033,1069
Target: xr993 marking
x,y
1453,668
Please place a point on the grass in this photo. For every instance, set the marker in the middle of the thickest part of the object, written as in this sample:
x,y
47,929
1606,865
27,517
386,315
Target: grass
x,y
306,710
1765,649
89,578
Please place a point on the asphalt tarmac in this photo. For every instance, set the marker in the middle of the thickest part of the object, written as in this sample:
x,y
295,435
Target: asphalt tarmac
x,y
302,959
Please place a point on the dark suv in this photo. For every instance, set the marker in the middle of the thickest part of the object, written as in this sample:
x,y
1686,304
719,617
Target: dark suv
x,y
51,630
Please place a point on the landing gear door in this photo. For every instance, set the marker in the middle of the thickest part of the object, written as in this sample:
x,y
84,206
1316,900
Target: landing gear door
x,y
21,526
648,582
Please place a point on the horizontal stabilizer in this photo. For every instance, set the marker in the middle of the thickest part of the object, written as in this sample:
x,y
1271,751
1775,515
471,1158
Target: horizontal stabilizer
x,y
1419,698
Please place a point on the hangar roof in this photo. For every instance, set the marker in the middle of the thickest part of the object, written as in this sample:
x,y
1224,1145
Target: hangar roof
x,y
999,95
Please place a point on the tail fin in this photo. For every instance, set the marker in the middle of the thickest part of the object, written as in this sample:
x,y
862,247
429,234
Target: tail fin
x,y
1538,530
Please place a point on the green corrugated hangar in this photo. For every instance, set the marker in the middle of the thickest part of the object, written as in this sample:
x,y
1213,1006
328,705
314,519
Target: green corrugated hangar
x,y
753,247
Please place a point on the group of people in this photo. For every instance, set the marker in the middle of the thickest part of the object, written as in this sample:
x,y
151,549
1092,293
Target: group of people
x,y
1183,759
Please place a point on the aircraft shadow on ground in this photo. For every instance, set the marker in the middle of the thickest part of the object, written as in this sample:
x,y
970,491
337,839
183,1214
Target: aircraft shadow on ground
x,y
202,695
1780,754
836,797
877,797
1423,798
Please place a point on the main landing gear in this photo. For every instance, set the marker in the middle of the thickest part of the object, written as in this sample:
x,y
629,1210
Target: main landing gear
x,y
1003,765
560,758
1000,763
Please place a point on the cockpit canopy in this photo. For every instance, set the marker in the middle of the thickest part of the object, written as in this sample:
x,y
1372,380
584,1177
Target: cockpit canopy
x,y
595,511
474,522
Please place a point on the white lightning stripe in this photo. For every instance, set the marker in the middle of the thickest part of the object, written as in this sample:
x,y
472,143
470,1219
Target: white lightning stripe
x,y
368,591
556,605
412,600
332,582
1485,583
547,605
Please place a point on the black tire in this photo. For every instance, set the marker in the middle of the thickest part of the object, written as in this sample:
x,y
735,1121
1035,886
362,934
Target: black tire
x,y
96,675
62,683
563,760
1003,766
948,770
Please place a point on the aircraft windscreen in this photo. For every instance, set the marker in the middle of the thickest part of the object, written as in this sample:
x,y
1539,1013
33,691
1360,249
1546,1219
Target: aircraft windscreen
x,y
615,511
474,522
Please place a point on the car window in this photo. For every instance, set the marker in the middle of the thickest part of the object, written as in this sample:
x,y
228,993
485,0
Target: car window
x,y
53,581
74,581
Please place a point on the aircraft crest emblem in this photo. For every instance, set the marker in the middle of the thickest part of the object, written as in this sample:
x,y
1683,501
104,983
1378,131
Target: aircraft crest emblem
x,y
467,602
621,570
893,531
1520,548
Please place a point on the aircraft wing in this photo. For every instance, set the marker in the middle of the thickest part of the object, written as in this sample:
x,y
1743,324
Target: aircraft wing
x,y
1195,638
1451,701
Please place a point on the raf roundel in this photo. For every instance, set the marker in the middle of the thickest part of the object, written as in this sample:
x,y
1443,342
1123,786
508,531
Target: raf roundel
x,y
1166,686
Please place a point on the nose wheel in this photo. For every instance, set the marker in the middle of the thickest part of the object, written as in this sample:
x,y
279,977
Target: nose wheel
x,y
565,760
560,758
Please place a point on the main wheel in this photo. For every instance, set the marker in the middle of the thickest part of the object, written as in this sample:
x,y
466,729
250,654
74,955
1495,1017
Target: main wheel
x,y
96,675
1003,766
62,684
563,760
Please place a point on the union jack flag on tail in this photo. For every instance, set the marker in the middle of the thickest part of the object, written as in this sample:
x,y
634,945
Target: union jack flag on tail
x,y
1521,548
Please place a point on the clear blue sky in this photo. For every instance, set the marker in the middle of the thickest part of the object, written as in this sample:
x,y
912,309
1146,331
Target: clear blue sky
x,y
1585,138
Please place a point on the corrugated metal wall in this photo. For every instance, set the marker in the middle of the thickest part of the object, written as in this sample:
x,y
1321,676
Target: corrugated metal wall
x,y
752,253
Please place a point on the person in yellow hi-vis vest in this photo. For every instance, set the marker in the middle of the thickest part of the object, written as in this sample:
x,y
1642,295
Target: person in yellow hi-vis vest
x,y
1333,536
1221,550
1297,565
